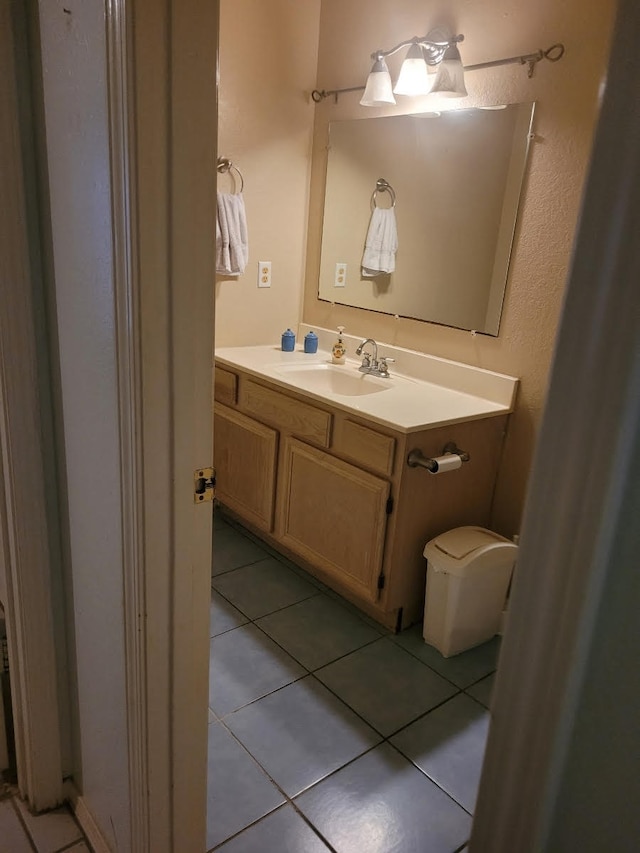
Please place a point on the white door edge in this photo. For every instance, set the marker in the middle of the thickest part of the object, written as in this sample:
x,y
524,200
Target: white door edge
x,y
578,517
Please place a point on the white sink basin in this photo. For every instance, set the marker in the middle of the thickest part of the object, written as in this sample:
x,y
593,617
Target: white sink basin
x,y
433,393
333,379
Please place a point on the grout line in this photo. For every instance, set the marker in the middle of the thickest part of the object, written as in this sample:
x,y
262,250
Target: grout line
x,y
477,701
259,698
353,710
288,799
236,568
253,619
328,663
23,824
308,821
384,737
473,683
432,780
307,671
81,839
417,657
335,597
73,844
345,655
290,564
289,802
423,715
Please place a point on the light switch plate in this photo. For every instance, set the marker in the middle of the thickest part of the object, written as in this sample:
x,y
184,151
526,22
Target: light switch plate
x,y
264,273
341,275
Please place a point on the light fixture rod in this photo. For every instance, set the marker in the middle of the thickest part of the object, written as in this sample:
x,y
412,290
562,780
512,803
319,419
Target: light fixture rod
x,y
553,54
320,94
434,48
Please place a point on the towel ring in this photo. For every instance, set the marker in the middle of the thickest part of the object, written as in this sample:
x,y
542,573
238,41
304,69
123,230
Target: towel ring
x,y
383,186
225,165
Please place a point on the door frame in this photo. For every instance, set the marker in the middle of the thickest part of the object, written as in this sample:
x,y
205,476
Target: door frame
x,y
162,82
170,102
168,71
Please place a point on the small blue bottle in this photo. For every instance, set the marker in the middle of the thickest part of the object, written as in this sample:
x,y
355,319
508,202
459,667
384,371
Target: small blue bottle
x,y
288,341
311,342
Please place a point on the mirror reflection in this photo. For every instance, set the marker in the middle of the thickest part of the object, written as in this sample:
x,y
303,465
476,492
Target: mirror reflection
x,y
457,178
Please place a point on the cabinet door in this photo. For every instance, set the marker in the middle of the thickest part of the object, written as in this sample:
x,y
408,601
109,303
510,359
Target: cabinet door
x,y
245,453
334,515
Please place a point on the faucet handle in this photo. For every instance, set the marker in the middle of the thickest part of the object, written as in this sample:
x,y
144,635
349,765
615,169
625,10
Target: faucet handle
x,y
366,359
385,360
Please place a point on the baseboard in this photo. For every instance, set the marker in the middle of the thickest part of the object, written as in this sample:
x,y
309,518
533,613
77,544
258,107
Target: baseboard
x,y
85,819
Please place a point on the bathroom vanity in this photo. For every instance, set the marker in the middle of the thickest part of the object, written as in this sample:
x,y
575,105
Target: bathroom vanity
x,y
312,457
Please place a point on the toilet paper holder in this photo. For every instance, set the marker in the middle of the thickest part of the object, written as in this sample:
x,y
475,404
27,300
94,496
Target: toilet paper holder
x,y
417,459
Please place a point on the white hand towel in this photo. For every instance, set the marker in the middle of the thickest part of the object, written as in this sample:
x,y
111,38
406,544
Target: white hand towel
x,y
381,244
232,245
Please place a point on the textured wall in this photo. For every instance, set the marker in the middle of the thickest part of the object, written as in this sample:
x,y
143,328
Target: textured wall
x,y
566,96
268,56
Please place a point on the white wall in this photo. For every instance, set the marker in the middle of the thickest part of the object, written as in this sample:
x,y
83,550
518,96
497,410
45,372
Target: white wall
x,y
268,59
566,96
75,93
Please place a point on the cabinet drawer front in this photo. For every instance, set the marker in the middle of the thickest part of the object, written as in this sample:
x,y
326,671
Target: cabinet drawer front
x,y
333,515
287,414
245,454
369,448
225,388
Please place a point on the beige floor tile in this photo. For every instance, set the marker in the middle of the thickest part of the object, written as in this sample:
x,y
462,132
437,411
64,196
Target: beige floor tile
x,y
52,830
13,838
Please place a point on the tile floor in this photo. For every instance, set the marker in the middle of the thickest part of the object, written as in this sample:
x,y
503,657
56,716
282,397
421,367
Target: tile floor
x,y
52,832
328,733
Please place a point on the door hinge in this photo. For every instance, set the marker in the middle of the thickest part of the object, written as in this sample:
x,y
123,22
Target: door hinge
x,y
381,580
204,485
389,506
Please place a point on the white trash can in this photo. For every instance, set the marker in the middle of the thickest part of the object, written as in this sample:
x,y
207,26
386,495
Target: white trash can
x,y
468,575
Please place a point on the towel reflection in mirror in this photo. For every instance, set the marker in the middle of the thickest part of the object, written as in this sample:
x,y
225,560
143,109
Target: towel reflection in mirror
x,y
381,243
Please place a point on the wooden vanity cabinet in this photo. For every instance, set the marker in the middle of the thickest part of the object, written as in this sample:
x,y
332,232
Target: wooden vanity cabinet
x,y
245,462
334,515
333,492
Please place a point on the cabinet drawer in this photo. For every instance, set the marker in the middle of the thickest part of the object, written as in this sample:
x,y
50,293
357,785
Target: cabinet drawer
x,y
371,449
225,389
286,414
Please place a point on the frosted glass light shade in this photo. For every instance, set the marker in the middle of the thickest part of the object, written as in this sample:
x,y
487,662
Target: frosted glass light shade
x,y
449,82
378,90
414,78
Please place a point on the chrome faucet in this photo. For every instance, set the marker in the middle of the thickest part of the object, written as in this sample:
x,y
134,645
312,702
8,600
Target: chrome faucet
x,y
370,363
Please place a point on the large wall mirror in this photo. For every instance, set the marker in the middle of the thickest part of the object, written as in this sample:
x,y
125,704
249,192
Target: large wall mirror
x,y
457,178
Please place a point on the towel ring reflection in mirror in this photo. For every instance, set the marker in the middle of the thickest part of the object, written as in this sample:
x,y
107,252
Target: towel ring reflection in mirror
x,y
225,165
383,186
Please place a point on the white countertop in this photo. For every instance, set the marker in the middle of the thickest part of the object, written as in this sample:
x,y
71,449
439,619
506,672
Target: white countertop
x,y
406,403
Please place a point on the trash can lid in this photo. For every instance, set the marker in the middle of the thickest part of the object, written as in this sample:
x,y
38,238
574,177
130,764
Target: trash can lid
x,y
461,541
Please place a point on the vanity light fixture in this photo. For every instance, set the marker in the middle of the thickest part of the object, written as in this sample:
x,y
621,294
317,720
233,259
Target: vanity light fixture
x,y
434,49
